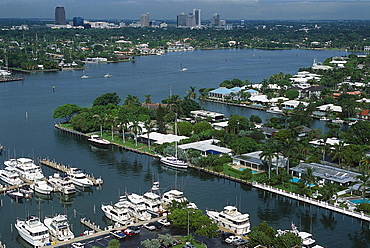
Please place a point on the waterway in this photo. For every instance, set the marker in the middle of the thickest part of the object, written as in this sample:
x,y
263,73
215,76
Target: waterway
x,y
27,130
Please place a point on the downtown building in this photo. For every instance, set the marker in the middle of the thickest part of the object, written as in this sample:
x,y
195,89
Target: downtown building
x,y
60,16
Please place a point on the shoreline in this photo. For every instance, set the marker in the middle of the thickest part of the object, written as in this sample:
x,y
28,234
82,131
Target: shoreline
x,y
300,198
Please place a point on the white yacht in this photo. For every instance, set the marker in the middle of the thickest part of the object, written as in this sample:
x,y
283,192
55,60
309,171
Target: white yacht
x,y
231,219
62,184
107,75
26,168
174,162
274,110
178,196
33,231
42,187
79,178
97,140
9,176
59,227
118,212
307,239
153,202
139,211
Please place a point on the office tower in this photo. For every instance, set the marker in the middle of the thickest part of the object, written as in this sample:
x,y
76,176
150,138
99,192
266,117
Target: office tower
x,y
215,21
144,20
190,20
196,14
60,16
181,19
78,21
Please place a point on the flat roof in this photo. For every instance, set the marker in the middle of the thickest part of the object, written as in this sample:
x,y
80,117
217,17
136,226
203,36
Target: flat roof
x,y
205,145
160,138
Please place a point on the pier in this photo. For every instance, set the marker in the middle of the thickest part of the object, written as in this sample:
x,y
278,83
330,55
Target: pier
x,y
10,79
62,168
90,225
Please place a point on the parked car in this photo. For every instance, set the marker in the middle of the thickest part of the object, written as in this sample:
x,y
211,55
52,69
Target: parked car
x,y
232,239
225,235
188,246
240,242
128,232
135,229
164,222
150,226
157,225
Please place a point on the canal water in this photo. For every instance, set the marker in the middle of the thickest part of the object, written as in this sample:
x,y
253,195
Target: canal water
x,y
27,130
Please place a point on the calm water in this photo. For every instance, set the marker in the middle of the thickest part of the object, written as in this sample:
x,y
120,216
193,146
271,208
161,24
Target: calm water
x,y
36,137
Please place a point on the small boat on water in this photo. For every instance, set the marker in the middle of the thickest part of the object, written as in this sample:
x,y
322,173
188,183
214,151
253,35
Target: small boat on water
x,y
33,231
42,187
63,185
85,76
274,110
107,75
98,141
59,227
79,178
231,219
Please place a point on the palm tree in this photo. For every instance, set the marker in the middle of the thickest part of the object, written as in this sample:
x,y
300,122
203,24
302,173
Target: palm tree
x,y
100,119
364,178
111,119
135,128
338,152
268,154
308,177
191,93
131,100
148,99
148,126
123,121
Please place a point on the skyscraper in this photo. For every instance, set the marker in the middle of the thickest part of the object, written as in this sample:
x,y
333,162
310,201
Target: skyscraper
x,y
78,21
215,21
196,14
181,19
60,16
144,20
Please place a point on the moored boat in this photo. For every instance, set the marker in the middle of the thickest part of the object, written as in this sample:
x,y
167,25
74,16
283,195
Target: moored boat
x,y
177,196
9,176
33,231
97,140
26,168
42,187
63,185
174,162
59,227
231,219
79,178
307,239
118,212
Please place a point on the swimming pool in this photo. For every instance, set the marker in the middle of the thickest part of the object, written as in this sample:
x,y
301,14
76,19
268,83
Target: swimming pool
x,y
253,171
258,105
359,201
296,180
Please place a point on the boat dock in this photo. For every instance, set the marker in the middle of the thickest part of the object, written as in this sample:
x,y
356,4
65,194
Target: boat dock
x,y
90,225
10,79
62,168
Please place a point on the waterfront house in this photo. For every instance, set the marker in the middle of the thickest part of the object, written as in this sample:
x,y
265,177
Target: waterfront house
x,y
292,104
220,125
364,114
326,174
160,138
330,108
225,93
204,115
206,147
253,161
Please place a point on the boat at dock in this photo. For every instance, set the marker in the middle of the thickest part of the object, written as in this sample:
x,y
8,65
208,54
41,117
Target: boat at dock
x,y
59,227
231,219
79,178
62,184
307,239
26,168
177,196
10,177
98,141
33,231
118,212
274,110
42,187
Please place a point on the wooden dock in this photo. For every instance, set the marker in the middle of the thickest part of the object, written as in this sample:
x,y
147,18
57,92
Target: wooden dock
x,y
10,79
90,225
62,168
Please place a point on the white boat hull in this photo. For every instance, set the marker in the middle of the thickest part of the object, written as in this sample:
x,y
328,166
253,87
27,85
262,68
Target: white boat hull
x,y
174,162
36,241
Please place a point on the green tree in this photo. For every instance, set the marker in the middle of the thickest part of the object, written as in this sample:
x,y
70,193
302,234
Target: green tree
x,y
201,126
191,93
243,145
106,99
292,94
132,100
66,111
184,128
268,154
288,240
246,174
135,128
114,243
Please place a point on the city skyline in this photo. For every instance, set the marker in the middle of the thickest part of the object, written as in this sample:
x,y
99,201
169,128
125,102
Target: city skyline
x,y
169,9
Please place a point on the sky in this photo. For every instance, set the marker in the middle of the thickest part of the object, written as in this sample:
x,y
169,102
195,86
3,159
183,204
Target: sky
x,y
169,9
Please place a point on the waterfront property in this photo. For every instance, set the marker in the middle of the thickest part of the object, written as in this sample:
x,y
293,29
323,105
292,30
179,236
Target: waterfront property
x,y
326,174
206,147
253,161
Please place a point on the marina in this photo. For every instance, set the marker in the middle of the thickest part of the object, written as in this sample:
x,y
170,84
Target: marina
x,y
126,171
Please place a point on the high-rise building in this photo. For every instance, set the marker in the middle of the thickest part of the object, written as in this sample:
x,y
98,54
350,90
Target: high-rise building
x,y
190,20
181,19
215,21
78,21
196,14
144,20
60,16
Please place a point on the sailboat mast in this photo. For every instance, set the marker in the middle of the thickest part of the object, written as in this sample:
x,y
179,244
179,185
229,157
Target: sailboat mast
x,y
176,135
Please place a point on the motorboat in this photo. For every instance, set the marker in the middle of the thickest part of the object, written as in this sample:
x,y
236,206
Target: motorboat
x,y
107,75
118,212
324,118
42,187
85,76
337,120
139,211
33,231
63,185
79,178
178,196
97,140
59,227
231,219
174,162
274,110
16,195
9,176
5,73
307,239
26,168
